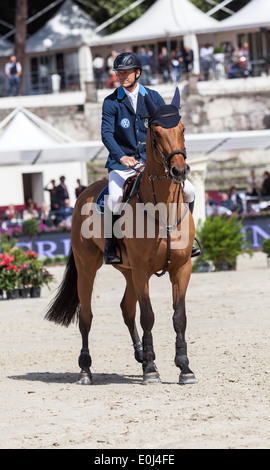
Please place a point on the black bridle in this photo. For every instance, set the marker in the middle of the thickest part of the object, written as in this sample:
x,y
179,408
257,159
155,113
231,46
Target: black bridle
x,y
166,159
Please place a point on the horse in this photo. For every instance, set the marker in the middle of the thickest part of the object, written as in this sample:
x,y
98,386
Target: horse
x,y
168,251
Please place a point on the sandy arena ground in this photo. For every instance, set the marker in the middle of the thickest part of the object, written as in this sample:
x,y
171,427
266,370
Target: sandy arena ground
x,y
229,351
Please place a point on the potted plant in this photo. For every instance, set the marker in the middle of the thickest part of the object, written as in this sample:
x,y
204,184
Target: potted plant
x,y
266,249
24,280
222,241
21,273
8,276
38,276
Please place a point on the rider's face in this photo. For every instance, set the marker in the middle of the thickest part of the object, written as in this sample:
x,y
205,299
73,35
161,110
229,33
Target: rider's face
x,y
127,77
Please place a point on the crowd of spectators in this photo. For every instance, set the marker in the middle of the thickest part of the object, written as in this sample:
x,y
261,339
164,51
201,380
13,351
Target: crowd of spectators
x,y
58,213
170,65
255,199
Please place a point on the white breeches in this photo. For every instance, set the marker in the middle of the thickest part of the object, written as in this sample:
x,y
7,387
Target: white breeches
x,y
117,179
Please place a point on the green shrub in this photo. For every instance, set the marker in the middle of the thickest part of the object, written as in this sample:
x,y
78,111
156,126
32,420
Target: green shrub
x,y
266,246
222,241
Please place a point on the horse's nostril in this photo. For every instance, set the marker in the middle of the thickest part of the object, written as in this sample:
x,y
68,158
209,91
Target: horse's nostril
x,y
175,171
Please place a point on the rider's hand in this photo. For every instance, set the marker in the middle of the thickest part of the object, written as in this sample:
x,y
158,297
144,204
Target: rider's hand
x,y
128,161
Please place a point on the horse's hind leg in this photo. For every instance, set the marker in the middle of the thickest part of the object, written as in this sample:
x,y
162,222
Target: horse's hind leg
x,y
128,306
87,266
180,281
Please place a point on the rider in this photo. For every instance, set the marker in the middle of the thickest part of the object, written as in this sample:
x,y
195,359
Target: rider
x,y
124,128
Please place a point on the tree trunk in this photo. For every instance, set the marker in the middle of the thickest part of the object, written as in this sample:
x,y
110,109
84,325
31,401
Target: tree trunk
x,y
20,35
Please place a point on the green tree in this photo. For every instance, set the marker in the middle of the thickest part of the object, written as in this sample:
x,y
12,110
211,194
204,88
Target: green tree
x,y
21,28
30,229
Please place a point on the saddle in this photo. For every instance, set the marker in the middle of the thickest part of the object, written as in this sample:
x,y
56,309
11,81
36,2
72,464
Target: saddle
x,y
131,188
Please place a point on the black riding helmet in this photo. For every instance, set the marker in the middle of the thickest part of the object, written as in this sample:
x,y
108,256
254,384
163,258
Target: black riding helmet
x,y
126,61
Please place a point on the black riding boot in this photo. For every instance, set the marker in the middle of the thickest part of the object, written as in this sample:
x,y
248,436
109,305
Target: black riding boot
x,y
195,251
110,253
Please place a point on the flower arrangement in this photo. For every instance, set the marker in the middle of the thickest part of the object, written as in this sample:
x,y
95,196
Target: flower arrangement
x,y
21,270
8,273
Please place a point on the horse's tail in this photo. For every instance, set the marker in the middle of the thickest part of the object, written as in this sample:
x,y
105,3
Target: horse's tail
x,y
64,308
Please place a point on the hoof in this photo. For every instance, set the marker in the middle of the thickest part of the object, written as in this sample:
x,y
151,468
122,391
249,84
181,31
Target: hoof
x,y
151,378
185,379
85,379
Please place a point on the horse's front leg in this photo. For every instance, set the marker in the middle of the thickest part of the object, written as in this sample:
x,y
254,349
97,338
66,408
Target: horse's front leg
x,y
150,372
180,280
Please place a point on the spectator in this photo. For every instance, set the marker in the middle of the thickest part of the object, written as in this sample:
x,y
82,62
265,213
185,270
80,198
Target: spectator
x,y
44,215
227,49
225,205
210,205
146,66
164,65
177,61
236,201
80,188
29,202
113,80
252,185
10,212
13,70
61,192
245,50
206,56
52,191
65,214
152,61
30,212
188,59
266,184
98,67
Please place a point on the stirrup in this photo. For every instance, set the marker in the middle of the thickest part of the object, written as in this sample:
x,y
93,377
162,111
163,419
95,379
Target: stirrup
x,y
196,251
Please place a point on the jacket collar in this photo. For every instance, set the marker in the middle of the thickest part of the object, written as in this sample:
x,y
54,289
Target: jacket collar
x,y
121,92
121,95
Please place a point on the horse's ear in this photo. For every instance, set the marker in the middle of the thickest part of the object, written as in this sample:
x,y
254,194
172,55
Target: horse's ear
x,y
176,98
150,106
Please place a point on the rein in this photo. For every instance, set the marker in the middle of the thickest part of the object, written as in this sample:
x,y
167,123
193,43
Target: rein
x,y
166,160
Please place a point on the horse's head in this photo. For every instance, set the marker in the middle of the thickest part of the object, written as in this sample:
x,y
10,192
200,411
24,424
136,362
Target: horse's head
x,y
167,135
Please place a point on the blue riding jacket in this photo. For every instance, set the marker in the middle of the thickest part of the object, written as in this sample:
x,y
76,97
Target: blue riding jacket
x,y
122,130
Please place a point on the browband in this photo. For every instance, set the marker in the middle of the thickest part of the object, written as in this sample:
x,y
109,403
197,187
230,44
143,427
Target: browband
x,y
163,116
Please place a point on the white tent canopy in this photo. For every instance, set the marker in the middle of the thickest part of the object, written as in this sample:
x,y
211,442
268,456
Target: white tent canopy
x,y
27,139
256,14
68,28
165,18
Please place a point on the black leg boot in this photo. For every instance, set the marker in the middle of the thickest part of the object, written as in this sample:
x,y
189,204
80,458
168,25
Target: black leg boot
x,y
195,251
110,253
